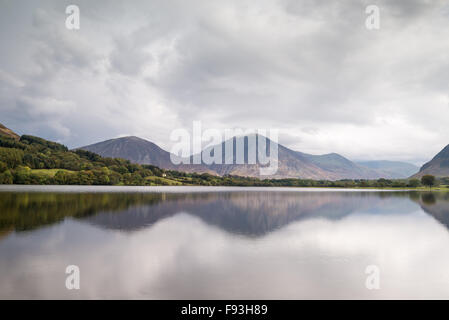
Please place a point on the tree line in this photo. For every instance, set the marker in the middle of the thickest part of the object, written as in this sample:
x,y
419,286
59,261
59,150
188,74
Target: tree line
x,y
33,160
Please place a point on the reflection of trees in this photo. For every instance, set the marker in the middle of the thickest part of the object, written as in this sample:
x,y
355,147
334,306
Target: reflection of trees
x,y
249,213
5,232
428,198
26,211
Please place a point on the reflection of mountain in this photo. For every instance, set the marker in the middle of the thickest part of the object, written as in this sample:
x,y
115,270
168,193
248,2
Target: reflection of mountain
x,y
436,205
251,212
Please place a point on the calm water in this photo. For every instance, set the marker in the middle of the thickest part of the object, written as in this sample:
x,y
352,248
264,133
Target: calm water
x,y
214,243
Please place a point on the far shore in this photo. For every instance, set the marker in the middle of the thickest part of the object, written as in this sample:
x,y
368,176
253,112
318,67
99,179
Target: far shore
x,y
200,188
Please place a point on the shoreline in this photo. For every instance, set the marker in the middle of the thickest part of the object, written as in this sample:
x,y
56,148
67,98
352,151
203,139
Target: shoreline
x,y
199,188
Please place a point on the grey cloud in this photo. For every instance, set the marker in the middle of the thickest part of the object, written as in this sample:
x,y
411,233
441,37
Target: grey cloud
x,y
288,64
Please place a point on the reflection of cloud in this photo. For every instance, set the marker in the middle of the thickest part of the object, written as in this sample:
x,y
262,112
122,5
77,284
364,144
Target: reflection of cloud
x,y
248,211
251,213
182,257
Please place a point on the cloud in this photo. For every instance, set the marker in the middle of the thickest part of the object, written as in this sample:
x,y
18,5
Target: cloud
x,y
153,67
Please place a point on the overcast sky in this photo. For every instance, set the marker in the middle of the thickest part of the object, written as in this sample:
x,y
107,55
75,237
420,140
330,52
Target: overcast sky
x,y
309,68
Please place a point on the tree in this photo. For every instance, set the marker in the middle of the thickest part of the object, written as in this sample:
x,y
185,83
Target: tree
x,y
61,177
11,157
428,180
3,166
413,183
384,182
6,177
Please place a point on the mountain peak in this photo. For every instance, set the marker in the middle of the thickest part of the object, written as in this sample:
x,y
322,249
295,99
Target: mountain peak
x,y
132,148
134,138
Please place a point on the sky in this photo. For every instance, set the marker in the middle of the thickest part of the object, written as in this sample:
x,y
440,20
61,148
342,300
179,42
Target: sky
x,y
308,68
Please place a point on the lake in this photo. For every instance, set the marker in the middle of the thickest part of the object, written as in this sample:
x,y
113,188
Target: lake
x,y
223,243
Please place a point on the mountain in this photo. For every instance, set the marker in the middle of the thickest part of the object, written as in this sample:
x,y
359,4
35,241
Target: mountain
x,y
438,166
291,164
344,168
294,164
8,132
391,169
132,148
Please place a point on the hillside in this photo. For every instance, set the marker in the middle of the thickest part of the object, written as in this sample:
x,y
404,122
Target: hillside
x,y
291,164
134,149
8,132
342,167
33,160
391,169
438,166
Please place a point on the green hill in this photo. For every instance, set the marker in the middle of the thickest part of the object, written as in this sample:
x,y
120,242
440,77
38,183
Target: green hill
x,y
33,160
6,132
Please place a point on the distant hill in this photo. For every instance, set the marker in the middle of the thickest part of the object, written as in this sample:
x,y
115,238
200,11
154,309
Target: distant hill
x,y
341,166
438,166
134,149
391,169
291,164
8,132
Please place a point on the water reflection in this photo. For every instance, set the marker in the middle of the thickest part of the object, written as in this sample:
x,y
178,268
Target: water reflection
x,y
247,212
225,245
436,205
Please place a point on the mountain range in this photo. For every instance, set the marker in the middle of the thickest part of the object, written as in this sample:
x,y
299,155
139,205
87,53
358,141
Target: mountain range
x,y
391,168
438,166
291,164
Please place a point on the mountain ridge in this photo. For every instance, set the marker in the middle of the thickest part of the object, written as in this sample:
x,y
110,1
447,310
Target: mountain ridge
x,y
137,150
291,164
438,166
393,169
